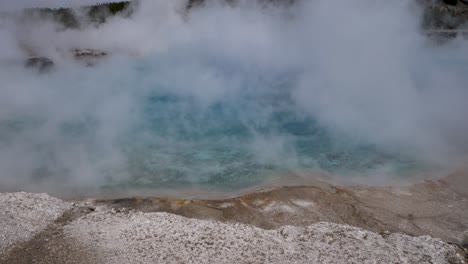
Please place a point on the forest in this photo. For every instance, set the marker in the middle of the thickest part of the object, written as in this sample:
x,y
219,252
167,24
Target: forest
x,y
436,16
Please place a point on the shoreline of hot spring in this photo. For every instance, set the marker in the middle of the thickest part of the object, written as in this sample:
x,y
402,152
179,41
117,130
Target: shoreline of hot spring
x,y
40,227
431,205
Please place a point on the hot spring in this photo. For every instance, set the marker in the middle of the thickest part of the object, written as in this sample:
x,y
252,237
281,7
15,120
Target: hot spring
x,y
226,99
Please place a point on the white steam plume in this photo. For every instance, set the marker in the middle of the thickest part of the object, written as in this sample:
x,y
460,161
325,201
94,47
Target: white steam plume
x,y
362,68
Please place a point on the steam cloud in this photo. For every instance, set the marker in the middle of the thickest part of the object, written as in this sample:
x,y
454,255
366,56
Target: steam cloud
x,y
360,68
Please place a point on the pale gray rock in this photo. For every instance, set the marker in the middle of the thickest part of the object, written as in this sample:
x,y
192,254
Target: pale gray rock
x,y
137,237
23,215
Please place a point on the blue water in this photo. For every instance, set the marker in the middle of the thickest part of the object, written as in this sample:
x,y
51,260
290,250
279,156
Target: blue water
x,y
172,136
239,140
181,144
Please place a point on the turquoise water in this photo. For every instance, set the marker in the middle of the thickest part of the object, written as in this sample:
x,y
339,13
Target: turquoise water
x,y
228,145
154,123
240,139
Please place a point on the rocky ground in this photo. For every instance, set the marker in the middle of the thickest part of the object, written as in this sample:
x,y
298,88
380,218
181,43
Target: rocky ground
x,y
438,207
325,223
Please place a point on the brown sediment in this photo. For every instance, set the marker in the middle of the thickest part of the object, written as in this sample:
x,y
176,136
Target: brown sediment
x,y
433,207
438,208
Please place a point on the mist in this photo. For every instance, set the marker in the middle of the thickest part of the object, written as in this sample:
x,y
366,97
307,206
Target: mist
x,y
20,4
212,82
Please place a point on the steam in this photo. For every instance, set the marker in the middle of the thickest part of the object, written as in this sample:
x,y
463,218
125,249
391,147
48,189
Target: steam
x,y
361,70
20,4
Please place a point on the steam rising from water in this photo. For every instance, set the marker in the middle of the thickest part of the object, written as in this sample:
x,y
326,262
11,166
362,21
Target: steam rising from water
x,y
228,97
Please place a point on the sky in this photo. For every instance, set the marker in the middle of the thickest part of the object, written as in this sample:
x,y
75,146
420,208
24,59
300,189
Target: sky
x,y
15,4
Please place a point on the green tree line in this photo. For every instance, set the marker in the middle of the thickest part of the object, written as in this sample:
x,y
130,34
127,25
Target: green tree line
x,y
436,15
68,17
